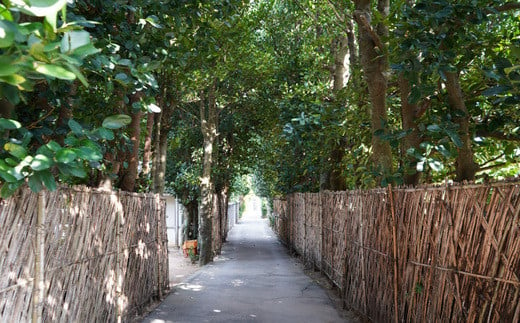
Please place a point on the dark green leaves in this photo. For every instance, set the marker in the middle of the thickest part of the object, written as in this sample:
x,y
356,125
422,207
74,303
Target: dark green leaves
x,y
55,71
7,32
117,121
75,127
65,155
9,124
41,162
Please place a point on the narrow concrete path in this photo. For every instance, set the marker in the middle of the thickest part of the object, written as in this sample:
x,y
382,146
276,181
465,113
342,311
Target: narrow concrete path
x,y
254,280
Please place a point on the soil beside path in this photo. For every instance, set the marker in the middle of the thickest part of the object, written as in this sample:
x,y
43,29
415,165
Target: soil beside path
x,y
254,280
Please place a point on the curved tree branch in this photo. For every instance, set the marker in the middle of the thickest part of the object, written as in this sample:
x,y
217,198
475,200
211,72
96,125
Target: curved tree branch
x,y
497,135
508,6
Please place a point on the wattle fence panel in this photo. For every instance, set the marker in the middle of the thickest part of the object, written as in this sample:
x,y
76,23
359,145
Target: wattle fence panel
x,y
105,255
427,254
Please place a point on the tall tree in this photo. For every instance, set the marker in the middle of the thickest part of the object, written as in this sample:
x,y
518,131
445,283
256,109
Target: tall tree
x,y
208,125
374,60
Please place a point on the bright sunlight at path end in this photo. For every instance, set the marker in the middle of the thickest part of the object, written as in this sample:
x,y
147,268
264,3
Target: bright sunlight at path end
x,y
254,280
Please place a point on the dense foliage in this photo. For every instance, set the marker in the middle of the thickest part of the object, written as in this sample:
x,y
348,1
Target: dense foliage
x,y
187,97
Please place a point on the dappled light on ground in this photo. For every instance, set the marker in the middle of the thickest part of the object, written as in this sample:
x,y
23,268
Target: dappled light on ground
x,y
191,287
257,282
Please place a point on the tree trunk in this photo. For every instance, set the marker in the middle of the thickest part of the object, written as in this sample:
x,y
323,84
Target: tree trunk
x,y
413,139
129,175
336,180
192,223
223,211
331,178
208,117
147,154
466,168
340,51
352,47
375,64
163,127
156,155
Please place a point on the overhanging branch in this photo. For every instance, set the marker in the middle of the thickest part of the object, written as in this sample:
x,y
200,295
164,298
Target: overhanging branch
x,y
508,6
497,135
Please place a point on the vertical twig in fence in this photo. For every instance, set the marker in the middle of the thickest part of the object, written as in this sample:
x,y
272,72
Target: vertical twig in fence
x,y
304,217
39,260
496,270
345,249
362,259
118,261
394,240
320,228
159,243
452,247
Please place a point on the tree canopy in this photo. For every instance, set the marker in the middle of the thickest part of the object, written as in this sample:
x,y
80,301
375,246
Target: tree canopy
x,y
187,97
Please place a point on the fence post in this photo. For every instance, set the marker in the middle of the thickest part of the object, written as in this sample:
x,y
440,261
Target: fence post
x,y
39,260
394,240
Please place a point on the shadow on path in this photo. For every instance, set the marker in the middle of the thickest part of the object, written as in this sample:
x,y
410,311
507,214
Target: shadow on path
x,y
253,280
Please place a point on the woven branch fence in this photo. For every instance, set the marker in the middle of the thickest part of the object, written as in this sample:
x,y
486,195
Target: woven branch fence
x,y
431,254
104,255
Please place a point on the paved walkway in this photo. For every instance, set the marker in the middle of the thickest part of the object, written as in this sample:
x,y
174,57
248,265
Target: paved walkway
x,y
254,280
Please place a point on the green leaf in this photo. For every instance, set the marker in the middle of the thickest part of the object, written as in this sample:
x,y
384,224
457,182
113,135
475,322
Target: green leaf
x,y
435,165
153,108
434,128
11,93
444,151
48,180
7,177
9,124
41,162
78,172
35,182
122,78
9,189
420,166
152,20
74,39
37,50
71,140
75,127
55,71
124,62
15,150
105,133
454,137
117,121
11,162
53,145
6,14
7,67
78,74
7,33
41,8
14,79
86,50
65,155
89,153
496,90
